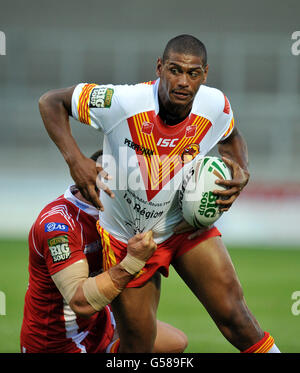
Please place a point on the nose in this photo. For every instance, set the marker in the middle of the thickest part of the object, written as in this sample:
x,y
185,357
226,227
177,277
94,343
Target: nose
x,y
183,80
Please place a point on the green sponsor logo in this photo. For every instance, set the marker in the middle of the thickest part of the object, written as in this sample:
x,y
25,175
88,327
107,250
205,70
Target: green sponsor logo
x,y
59,248
101,97
208,207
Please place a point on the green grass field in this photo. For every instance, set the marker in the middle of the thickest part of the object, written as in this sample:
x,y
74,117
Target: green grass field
x,y
269,277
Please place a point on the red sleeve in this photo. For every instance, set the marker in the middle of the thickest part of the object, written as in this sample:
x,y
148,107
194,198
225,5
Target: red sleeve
x,y
61,238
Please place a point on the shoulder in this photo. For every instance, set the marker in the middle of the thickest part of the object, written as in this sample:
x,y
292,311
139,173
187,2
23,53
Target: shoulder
x,y
108,104
103,95
212,102
58,217
135,98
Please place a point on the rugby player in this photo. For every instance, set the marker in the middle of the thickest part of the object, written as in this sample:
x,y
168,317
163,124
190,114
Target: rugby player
x,y
64,249
153,135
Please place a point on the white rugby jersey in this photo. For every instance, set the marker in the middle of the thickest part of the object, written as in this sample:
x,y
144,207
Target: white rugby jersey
x,y
146,157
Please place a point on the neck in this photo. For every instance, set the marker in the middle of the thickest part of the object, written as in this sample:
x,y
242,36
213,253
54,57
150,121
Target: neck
x,y
173,114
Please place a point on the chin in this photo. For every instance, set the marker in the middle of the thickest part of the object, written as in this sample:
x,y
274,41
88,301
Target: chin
x,y
183,103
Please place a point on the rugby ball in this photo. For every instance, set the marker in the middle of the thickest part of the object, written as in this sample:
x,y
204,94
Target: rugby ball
x,y
198,203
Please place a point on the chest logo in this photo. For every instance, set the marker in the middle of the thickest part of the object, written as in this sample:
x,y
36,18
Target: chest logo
x,y
168,155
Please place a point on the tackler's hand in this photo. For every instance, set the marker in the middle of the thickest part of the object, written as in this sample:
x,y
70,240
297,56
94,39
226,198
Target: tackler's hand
x,y
141,246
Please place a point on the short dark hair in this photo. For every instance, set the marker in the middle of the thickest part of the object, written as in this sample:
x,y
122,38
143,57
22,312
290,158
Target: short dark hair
x,y
96,155
186,44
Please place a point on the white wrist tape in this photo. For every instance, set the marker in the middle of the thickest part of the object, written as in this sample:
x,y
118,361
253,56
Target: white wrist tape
x,y
132,265
100,290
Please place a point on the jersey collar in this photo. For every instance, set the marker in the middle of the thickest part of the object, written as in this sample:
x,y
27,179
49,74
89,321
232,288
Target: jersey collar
x,y
87,208
155,92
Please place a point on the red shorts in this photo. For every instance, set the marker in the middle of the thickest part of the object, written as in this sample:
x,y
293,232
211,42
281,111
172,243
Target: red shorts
x,y
178,244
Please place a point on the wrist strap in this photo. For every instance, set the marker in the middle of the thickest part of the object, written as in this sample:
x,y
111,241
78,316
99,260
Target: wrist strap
x,y
131,264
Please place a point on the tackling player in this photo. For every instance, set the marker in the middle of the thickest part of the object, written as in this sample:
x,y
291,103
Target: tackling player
x,y
153,135
65,310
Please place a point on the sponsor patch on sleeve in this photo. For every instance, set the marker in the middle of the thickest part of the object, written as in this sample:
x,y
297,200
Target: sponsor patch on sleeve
x,y
52,227
59,248
101,97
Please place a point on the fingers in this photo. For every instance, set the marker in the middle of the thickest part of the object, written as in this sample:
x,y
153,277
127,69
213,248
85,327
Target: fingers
x,y
233,187
148,236
227,192
91,195
224,205
142,245
229,183
144,237
148,239
103,173
228,162
87,176
102,186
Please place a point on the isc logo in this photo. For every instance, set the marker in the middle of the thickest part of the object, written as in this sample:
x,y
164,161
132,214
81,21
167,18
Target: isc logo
x,y
167,142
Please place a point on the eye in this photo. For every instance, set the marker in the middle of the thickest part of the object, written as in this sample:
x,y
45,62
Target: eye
x,y
174,70
194,74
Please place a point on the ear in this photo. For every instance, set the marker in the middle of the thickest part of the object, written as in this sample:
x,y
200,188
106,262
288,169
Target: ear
x,y
205,74
158,67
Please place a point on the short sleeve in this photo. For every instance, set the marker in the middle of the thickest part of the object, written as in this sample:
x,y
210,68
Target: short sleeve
x,y
226,120
96,105
61,239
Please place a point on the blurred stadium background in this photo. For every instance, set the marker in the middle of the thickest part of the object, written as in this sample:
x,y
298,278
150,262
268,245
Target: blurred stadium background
x,y
57,44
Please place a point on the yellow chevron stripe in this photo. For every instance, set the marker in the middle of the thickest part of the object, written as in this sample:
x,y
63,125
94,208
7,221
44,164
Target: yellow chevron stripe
x,y
175,160
182,144
83,107
153,147
158,169
169,165
266,346
231,125
144,142
185,139
146,159
109,258
199,122
150,143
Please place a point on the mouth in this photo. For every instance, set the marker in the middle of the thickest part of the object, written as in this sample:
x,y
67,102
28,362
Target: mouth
x,y
180,95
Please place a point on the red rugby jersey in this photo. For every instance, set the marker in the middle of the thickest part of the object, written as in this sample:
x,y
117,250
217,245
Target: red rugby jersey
x,y
64,232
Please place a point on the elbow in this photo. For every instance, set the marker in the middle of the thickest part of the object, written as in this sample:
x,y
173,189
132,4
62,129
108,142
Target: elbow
x,y
44,100
81,309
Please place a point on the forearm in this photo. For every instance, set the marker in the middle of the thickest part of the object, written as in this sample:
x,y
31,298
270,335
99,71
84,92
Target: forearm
x,y
87,295
94,293
55,108
235,148
119,277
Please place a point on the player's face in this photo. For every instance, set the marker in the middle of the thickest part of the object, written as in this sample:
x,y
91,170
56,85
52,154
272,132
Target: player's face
x,y
180,78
